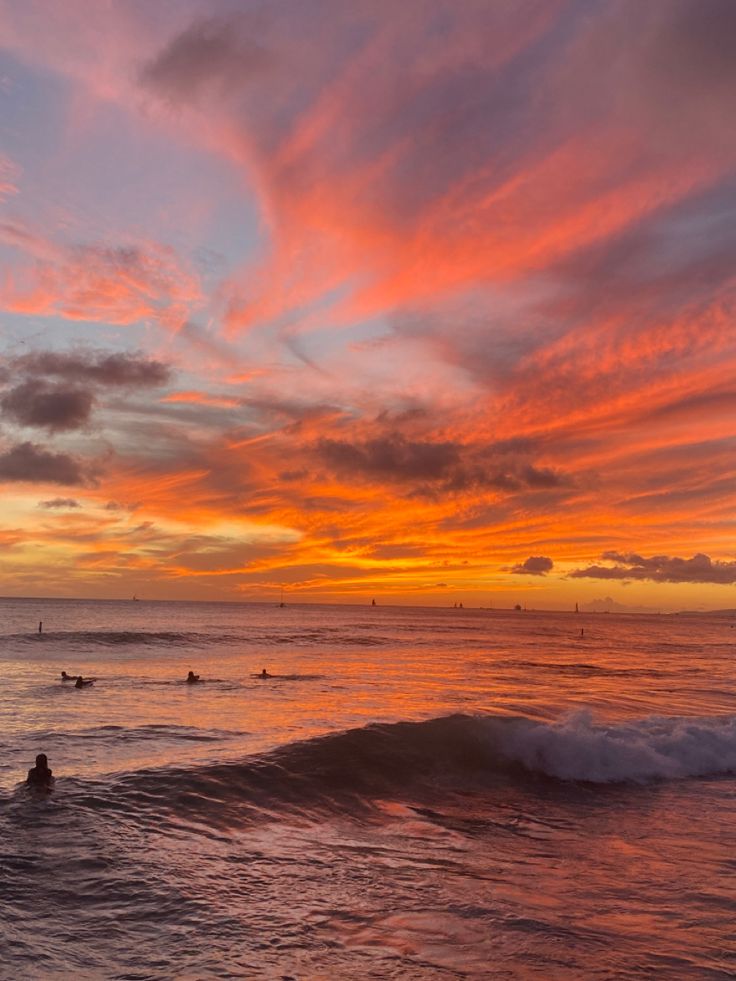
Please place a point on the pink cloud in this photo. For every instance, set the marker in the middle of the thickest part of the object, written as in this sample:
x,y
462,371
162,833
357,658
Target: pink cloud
x,y
9,174
112,284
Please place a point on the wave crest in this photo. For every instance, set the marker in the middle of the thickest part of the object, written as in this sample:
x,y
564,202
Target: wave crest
x,y
112,638
350,772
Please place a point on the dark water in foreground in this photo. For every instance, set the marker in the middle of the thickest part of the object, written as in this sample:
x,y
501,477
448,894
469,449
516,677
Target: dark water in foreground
x,y
414,794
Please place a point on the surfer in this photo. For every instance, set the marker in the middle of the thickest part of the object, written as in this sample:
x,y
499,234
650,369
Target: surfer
x,y
83,682
40,775
192,678
69,677
264,674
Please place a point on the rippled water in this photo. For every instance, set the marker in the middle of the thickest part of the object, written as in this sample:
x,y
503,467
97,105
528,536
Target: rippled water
x,y
412,794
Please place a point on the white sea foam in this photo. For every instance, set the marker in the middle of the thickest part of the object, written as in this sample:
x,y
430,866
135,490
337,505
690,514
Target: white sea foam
x,y
654,748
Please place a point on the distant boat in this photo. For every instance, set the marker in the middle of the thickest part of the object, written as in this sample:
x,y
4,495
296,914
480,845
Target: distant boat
x,y
281,603
135,598
373,602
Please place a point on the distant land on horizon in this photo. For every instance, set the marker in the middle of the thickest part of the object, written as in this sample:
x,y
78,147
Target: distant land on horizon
x,y
609,605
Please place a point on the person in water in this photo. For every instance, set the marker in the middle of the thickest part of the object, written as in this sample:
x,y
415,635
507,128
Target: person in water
x,y
69,677
83,682
40,775
264,674
192,678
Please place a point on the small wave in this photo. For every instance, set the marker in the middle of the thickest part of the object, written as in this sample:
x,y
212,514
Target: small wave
x,y
317,636
591,670
357,641
327,635
124,734
114,638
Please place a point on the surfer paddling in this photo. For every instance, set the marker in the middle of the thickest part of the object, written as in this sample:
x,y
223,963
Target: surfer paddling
x,y
69,677
192,678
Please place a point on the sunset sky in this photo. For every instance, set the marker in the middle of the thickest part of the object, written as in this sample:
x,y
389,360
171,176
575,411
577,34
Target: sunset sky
x,y
431,302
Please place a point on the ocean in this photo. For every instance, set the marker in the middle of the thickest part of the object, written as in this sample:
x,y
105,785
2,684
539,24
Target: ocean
x,y
413,794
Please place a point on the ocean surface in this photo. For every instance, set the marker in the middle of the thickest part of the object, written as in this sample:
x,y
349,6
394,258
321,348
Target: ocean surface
x,y
414,793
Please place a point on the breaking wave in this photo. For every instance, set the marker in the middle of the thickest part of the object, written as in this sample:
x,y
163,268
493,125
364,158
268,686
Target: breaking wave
x,y
349,772
657,748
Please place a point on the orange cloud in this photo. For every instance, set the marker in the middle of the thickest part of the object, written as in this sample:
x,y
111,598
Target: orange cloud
x,y
202,398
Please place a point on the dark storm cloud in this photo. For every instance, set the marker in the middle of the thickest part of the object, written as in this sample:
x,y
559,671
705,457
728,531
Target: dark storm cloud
x,y
661,568
60,502
391,456
60,390
209,53
535,565
31,463
510,477
52,407
96,367
539,477
434,466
